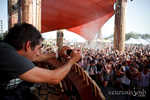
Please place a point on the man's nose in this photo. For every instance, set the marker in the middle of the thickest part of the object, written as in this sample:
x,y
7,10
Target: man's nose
x,y
38,53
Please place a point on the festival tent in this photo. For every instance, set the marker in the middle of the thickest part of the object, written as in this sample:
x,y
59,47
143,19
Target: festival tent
x,y
70,36
137,41
142,41
84,17
132,41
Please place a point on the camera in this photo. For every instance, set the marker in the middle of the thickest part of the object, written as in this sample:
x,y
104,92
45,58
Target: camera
x,y
65,52
68,52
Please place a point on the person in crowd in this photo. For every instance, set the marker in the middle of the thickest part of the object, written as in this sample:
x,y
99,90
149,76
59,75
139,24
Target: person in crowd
x,y
144,78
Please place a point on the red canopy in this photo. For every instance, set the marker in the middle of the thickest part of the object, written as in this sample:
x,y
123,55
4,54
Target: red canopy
x,y
84,17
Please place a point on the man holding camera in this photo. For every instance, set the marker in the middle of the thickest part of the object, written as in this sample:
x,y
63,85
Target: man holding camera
x,y
19,49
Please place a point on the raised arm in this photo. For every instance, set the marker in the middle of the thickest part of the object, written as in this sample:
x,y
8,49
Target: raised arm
x,y
41,75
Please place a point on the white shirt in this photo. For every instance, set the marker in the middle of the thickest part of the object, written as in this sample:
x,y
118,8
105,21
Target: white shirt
x,y
145,79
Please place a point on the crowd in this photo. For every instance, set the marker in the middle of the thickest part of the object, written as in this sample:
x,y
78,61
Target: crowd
x,y
123,71
127,71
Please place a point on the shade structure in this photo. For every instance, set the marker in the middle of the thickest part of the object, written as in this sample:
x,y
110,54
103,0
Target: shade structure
x,y
84,17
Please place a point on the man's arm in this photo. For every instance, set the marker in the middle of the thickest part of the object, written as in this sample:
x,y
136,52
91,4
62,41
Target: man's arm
x,y
41,75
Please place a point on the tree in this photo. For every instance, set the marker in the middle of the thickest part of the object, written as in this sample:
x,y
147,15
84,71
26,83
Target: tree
x,y
134,35
2,35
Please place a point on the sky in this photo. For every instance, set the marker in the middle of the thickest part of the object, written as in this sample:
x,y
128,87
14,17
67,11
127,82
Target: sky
x,y
4,14
137,18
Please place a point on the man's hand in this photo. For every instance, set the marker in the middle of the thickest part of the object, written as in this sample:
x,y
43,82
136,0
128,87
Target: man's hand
x,y
75,55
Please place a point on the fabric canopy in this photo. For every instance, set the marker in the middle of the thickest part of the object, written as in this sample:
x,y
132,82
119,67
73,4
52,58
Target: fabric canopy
x,y
84,17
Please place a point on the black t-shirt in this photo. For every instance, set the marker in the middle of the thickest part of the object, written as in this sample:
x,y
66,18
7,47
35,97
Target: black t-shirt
x,y
11,63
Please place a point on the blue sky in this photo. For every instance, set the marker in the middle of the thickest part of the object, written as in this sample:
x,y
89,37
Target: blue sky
x,y
3,13
137,17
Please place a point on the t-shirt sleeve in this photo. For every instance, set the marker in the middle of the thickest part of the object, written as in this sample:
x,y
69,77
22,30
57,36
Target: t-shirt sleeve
x,y
22,65
14,63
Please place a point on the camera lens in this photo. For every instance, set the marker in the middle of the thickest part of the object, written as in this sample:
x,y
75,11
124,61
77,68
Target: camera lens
x,y
68,52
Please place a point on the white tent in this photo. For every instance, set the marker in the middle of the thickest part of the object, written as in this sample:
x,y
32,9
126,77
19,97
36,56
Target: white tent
x,y
132,41
68,35
137,41
142,41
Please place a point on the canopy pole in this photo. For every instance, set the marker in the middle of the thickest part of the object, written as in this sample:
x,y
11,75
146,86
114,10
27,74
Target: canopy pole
x,y
31,12
28,11
12,12
59,41
119,33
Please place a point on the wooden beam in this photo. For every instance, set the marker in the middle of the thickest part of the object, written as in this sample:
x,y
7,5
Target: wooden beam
x,y
12,13
28,11
60,36
119,33
31,12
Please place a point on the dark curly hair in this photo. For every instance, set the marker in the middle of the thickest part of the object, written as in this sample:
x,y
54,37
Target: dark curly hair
x,y
21,33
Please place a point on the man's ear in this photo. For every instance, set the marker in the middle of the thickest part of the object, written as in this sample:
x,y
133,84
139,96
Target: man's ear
x,y
27,46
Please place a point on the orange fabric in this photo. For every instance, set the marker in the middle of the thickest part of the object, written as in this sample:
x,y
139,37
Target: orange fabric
x,y
84,17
